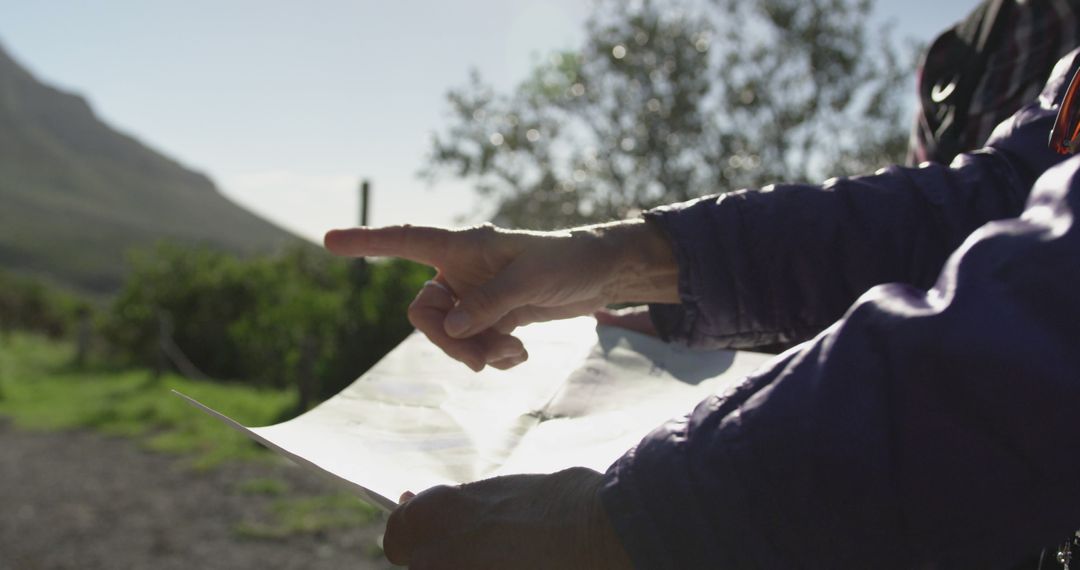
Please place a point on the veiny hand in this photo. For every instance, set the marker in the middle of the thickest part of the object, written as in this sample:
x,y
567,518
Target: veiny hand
x,y
497,280
518,522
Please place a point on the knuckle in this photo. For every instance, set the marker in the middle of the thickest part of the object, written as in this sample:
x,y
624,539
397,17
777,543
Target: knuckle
x,y
438,497
527,315
579,477
507,324
577,471
483,234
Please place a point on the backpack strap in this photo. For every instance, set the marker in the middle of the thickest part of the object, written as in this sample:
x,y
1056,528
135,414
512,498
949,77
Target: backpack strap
x,y
953,67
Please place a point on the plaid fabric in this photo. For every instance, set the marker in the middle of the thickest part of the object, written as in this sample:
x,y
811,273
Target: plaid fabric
x,y
1037,33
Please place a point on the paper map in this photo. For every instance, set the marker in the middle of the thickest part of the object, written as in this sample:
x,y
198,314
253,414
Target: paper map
x,y
418,419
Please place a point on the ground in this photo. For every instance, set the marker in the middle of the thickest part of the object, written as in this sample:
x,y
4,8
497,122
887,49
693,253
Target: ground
x,y
81,500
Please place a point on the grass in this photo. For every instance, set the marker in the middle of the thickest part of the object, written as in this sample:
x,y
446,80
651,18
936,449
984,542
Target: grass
x,y
39,390
310,515
289,516
263,486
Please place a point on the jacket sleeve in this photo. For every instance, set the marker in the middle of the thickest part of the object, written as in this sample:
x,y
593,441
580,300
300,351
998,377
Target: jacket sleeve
x,y
779,264
926,428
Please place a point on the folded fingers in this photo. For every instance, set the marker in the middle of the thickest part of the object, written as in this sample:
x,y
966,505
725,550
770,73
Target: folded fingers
x,y
428,312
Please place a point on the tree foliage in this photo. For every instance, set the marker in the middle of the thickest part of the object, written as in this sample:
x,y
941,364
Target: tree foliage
x,y
250,319
31,305
666,101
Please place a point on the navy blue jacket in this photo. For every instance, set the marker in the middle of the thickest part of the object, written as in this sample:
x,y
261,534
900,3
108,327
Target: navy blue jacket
x,y
936,424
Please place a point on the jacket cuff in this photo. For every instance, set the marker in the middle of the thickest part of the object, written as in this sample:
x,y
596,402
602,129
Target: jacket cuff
x,y
684,227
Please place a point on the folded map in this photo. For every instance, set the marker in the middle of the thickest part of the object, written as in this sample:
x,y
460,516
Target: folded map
x,y
418,419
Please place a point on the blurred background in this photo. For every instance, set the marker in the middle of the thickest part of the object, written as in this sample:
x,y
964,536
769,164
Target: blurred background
x,y
167,171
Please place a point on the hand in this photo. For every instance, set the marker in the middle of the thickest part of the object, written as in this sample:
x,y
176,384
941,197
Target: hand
x,y
518,522
499,279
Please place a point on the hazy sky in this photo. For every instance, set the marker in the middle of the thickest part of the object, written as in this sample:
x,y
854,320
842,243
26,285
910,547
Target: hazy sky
x,y
286,105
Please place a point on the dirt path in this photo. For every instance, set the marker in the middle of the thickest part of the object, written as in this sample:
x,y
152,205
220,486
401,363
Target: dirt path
x,y
83,501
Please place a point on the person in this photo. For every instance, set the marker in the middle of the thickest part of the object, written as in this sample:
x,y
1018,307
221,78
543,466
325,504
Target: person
x,y
931,424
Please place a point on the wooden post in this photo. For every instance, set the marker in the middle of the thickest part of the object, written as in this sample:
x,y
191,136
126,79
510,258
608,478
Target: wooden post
x,y
358,271
365,199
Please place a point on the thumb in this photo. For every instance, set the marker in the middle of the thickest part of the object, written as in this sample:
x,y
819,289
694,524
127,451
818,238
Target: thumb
x,y
482,307
636,319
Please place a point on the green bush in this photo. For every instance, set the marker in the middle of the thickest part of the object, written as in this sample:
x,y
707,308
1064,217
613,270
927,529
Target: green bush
x,y
29,305
254,319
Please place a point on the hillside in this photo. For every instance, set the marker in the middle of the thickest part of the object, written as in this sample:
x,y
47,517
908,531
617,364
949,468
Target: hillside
x,y
76,195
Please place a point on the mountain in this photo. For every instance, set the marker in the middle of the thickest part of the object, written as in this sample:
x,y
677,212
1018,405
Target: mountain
x,y
76,195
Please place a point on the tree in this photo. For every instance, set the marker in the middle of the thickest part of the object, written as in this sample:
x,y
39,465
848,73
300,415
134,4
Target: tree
x,y
666,101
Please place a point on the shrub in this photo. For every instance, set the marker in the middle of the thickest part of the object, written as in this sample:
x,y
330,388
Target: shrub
x,y
30,305
254,319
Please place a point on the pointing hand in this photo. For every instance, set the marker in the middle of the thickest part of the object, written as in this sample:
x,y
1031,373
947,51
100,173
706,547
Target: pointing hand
x,y
491,280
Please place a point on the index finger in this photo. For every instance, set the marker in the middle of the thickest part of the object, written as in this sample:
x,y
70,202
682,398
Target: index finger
x,y
417,243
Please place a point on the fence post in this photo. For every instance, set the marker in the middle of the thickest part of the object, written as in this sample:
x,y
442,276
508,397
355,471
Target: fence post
x,y
358,272
365,201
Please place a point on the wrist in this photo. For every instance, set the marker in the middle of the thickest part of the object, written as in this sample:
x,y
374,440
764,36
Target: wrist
x,y
643,266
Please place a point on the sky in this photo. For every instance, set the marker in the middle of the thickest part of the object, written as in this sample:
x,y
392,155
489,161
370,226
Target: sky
x,y
287,105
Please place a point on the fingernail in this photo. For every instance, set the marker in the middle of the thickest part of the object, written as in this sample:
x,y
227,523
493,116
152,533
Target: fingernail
x,y
511,362
457,322
510,352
